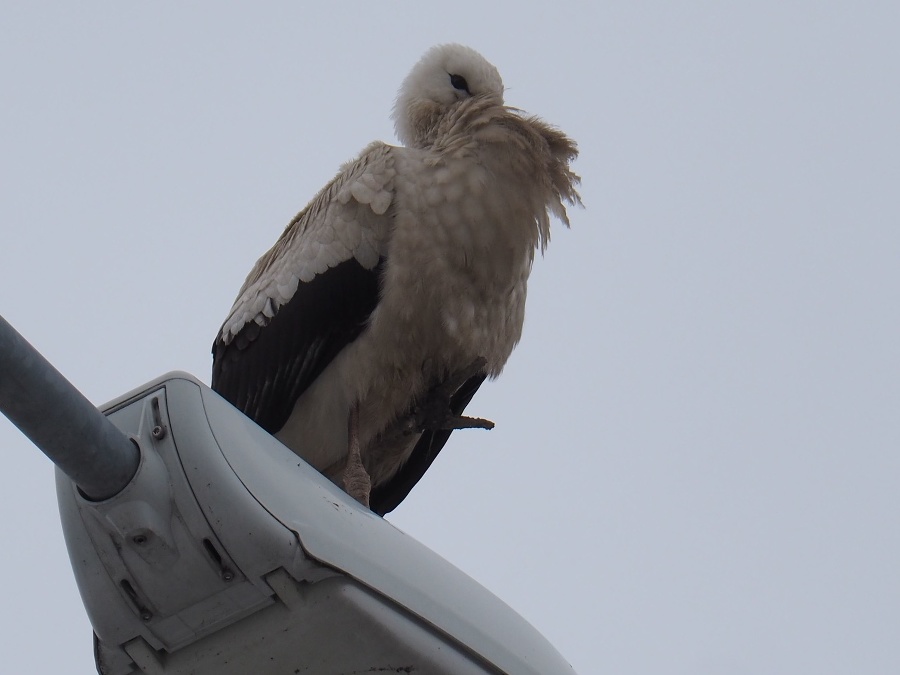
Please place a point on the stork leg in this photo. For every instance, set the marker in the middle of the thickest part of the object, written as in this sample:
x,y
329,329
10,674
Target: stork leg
x,y
357,482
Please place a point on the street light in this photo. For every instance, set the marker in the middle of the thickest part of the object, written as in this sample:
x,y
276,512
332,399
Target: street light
x,y
202,545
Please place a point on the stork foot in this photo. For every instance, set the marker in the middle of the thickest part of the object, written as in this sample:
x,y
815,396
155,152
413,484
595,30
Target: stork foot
x,y
433,413
356,480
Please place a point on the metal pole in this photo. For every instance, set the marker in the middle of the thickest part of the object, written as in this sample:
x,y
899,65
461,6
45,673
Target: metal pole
x,y
58,419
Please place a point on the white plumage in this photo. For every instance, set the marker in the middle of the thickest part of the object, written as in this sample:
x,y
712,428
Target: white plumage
x,y
402,284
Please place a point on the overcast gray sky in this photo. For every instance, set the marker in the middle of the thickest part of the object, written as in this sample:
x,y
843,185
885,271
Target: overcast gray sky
x,y
695,467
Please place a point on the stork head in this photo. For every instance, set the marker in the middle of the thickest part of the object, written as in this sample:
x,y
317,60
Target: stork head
x,y
443,78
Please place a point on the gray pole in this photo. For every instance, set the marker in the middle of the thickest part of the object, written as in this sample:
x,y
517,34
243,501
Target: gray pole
x,y
58,419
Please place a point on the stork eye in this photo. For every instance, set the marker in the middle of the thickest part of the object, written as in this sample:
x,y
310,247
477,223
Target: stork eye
x,y
459,82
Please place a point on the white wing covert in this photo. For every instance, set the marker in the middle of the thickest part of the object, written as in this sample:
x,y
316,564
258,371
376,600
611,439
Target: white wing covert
x,y
347,219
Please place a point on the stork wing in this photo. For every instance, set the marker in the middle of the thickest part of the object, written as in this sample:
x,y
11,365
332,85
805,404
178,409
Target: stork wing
x,y
309,295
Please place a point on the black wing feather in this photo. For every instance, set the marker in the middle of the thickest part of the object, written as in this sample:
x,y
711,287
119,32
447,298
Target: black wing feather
x,y
264,370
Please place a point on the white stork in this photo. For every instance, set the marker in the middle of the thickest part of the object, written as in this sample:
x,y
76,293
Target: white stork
x,y
361,335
